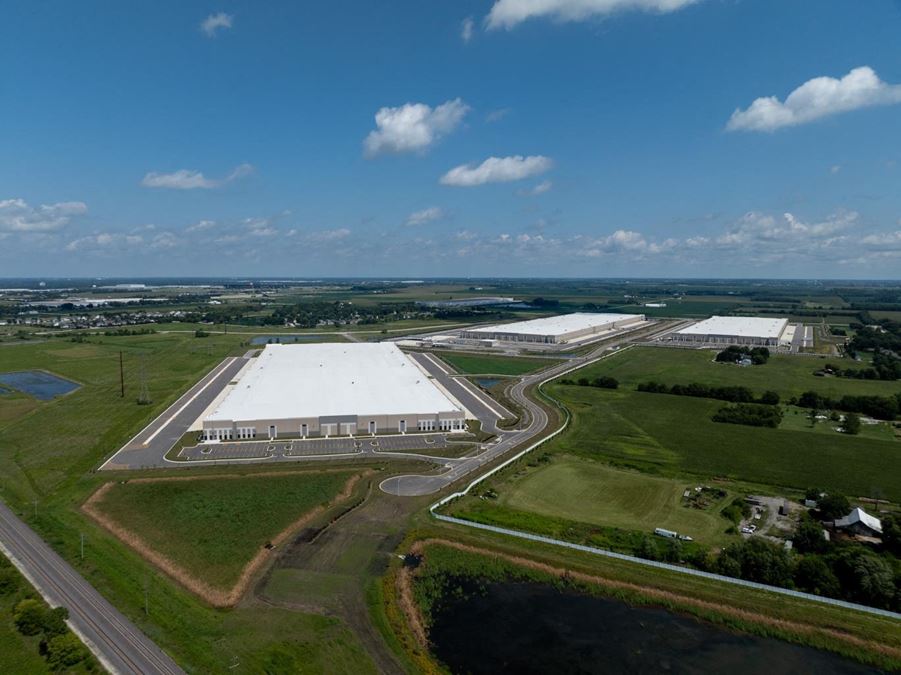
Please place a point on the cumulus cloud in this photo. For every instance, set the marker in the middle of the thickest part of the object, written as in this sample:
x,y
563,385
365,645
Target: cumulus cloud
x,y
412,127
329,235
540,189
497,115
467,29
104,241
510,13
497,170
187,179
215,23
816,98
16,215
425,216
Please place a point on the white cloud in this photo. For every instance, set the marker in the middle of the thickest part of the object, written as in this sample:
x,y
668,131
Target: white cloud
x,y
187,179
201,225
510,13
425,216
497,170
105,241
413,127
835,168
467,29
816,98
16,215
214,23
540,189
329,235
497,115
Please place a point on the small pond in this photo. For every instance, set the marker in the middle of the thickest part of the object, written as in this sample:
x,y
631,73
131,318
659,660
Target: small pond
x,y
488,382
534,628
283,339
37,383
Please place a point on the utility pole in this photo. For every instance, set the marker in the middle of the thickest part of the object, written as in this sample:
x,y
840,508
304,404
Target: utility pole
x,y
121,376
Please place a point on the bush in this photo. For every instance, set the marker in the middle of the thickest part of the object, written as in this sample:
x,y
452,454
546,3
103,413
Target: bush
x,y
851,424
9,581
750,414
734,354
28,616
605,382
833,507
64,651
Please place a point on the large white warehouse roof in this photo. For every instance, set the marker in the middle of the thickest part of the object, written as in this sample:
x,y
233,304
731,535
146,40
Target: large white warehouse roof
x,y
290,381
737,326
556,325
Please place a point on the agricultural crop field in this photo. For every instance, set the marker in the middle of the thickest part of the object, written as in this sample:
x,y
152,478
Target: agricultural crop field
x,y
477,364
671,435
213,527
786,374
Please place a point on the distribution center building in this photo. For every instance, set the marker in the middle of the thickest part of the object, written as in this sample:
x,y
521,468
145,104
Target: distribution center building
x,y
555,329
734,330
329,390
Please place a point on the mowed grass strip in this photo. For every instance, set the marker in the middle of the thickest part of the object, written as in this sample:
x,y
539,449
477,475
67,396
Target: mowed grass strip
x,y
670,435
590,492
494,365
786,374
212,527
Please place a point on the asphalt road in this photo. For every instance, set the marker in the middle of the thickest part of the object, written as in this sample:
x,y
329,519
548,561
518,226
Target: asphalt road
x,y
148,449
116,642
485,408
411,485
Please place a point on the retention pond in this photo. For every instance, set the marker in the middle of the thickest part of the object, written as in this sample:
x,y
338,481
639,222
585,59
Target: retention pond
x,y
534,628
37,383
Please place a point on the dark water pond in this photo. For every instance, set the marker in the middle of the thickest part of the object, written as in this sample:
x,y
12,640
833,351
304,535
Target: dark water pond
x,y
283,339
487,382
533,628
37,383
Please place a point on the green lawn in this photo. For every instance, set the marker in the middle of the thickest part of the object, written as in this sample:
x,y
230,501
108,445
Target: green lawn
x,y
670,435
591,492
213,527
797,419
494,365
789,375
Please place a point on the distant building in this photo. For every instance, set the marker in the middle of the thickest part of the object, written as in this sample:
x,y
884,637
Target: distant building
x,y
860,523
555,329
734,330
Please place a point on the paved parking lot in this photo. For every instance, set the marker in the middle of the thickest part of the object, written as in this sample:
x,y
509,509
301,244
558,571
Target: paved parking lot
x,y
314,447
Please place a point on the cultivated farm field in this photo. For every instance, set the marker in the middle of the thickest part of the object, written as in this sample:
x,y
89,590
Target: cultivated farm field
x,y
786,374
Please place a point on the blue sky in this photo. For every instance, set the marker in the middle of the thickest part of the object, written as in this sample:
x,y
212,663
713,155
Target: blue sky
x,y
454,138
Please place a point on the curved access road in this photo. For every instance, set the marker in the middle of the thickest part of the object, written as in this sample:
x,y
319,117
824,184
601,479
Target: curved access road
x,y
417,485
116,642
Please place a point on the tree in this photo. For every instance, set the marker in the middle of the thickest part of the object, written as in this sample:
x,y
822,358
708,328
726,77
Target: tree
x,y
833,507
809,536
812,416
28,616
757,560
9,581
814,576
769,398
891,535
851,425
64,651
55,621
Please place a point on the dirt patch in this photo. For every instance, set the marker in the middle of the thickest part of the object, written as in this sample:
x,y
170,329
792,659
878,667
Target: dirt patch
x,y
218,597
668,598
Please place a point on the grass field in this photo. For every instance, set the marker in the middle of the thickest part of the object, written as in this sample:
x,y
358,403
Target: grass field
x,y
591,492
494,365
786,374
213,527
674,434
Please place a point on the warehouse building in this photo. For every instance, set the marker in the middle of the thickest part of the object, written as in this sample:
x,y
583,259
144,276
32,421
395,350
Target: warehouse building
x,y
323,390
555,329
734,330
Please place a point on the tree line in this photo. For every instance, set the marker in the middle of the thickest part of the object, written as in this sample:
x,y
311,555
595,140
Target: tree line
x,y
732,394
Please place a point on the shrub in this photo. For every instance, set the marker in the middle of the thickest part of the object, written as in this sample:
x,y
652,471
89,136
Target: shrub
x,y
64,651
28,616
750,414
